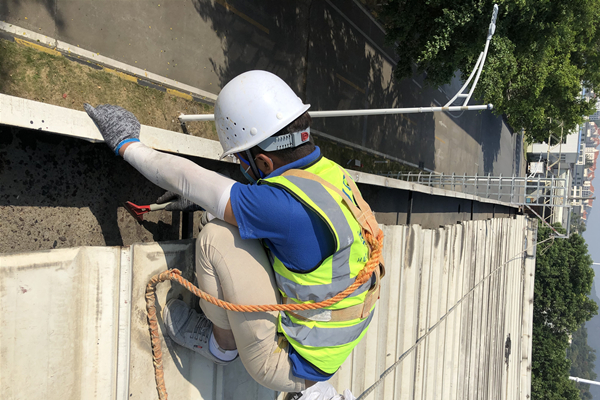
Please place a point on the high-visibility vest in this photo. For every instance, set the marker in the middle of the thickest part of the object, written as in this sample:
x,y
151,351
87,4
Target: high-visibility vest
x,y
324,343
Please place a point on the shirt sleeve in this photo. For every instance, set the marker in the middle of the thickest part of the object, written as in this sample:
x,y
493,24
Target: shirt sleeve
x,y
262,211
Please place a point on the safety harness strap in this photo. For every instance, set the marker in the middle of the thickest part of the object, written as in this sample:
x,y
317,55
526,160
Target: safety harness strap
x,y
361,310
363,215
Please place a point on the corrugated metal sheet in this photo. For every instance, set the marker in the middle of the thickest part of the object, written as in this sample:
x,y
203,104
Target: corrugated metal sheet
x,y
74,323
450,300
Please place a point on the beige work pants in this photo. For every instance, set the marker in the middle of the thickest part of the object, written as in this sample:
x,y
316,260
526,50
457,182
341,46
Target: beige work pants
x,y
239,271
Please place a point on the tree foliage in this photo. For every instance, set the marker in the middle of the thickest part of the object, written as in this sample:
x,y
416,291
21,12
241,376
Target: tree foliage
x,y
541,54
563,279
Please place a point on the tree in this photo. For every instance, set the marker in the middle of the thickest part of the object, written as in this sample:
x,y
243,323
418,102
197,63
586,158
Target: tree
x,y
577,224
563,279
539,57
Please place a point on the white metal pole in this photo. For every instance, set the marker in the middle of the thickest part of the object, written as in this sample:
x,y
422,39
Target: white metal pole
x,y
479,64
491,31
460,92
576,379
355,113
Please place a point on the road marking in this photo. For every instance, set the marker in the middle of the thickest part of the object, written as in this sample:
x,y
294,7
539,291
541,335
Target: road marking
x,y
448,112
240,14
97,61
417,83
180,94
390,59
341,78
443,124
38,47
408,119
368,14
440,140
121,75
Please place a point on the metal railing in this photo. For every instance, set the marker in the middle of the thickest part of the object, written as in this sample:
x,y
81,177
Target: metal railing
x,y
526,192
551,192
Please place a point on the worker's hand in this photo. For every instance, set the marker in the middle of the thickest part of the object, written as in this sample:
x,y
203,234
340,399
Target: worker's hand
x,y
179,203
116,125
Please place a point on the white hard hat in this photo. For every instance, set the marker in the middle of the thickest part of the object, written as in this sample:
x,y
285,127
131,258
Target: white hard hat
x,y
252,107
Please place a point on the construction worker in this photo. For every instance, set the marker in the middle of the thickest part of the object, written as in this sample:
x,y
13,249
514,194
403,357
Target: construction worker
x,y
290,237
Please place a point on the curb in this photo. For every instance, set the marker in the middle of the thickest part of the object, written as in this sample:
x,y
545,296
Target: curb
x,y
95,60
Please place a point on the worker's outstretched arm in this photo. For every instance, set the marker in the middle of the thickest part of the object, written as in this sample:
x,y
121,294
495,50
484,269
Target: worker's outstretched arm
x,y
206,188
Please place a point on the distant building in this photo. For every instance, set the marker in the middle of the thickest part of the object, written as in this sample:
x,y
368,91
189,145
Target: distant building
x,y
567,160
567,152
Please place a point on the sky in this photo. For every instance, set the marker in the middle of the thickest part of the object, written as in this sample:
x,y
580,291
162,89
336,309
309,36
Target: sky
x,y
592,233
592,238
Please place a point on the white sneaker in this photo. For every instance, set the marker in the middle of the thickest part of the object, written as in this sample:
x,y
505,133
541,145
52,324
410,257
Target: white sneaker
x,y
189,329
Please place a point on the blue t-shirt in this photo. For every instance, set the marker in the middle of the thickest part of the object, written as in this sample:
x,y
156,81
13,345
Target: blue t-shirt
x,y
295,235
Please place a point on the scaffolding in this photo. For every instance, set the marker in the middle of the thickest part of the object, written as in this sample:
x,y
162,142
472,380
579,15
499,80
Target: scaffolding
x,y
540,192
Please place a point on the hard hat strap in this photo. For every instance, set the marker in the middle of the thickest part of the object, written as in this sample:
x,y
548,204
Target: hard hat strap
x,y
257,172
293,139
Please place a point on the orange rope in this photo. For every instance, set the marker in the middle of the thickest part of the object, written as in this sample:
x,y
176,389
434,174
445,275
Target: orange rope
x,y
175,275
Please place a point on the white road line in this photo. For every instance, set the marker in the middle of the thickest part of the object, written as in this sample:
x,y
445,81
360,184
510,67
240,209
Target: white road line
x,y
368,14
390,59
417,83
437,102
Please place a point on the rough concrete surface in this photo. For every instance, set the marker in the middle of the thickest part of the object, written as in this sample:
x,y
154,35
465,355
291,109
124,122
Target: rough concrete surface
x,y
61,192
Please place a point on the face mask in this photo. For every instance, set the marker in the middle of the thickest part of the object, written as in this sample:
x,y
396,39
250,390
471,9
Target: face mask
x,y
245,171
246,174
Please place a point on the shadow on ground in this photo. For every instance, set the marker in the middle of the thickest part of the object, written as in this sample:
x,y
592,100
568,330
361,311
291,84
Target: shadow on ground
x,y
328,63
12,6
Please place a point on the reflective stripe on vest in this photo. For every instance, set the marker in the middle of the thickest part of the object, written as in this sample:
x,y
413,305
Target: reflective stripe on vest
x,y
323,337
324,344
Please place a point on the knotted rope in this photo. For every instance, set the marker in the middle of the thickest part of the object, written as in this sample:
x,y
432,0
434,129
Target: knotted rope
x,y
363,276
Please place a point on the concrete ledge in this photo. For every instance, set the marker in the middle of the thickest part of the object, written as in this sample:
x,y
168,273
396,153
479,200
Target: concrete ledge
x,y
31,114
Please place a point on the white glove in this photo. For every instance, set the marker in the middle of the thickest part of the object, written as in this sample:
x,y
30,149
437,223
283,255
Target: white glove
x,y
325,391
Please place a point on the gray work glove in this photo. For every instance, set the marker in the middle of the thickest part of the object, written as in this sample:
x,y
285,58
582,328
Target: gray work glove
x,y
179,203
116,125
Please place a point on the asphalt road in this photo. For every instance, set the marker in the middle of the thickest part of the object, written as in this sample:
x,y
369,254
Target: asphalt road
x,y
331,52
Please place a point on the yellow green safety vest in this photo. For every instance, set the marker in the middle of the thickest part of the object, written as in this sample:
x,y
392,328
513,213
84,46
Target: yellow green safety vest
x,y
323,343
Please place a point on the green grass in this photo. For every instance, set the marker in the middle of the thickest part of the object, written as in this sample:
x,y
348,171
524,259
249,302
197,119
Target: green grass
x,y
35,75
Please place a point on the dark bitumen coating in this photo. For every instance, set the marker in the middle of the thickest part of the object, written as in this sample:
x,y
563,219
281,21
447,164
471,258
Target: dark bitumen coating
x,y
57,192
